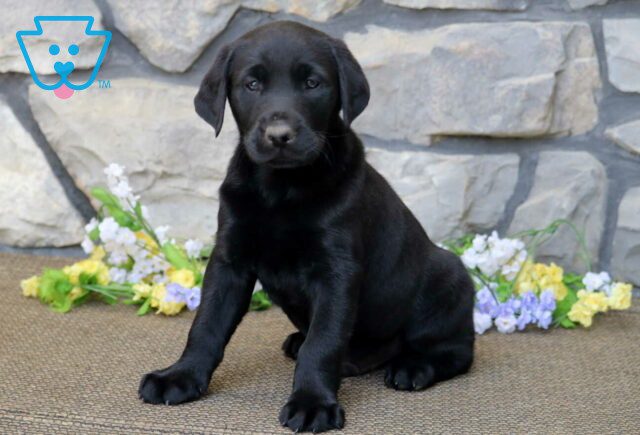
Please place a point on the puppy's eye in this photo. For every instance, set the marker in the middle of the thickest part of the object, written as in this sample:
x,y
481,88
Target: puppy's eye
x,y
252,85
311,83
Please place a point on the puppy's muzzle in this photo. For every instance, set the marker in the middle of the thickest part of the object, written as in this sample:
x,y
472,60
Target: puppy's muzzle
x,y
279,134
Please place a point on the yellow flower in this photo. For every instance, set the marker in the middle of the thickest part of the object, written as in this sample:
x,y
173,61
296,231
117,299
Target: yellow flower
x,y
184,277
588,304
77,292
581,313
620,298
30,286
88,267
595,301
555,272
141,291
539,277
103,274
158,294
98,254
150,244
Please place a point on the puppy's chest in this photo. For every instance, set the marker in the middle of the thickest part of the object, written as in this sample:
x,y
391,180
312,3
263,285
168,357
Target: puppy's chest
x,y
277,242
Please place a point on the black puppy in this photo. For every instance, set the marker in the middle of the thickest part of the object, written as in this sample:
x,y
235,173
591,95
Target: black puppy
x,y
330,241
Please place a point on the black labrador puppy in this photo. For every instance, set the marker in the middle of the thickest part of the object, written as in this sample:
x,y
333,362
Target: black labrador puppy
x,y
331,242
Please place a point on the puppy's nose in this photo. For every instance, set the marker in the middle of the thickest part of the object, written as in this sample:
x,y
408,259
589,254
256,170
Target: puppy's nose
x,y
279,134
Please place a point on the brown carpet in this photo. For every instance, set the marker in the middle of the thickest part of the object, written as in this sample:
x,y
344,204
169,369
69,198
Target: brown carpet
x,y
79,372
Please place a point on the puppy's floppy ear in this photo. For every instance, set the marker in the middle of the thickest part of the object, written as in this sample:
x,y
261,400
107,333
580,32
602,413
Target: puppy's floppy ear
x,y
211,97
354,88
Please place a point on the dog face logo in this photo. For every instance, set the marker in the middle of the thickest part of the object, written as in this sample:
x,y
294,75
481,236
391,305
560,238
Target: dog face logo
x,y
62,59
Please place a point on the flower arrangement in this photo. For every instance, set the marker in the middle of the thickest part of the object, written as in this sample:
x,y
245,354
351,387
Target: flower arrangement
x,y
514,291
129,261
132,262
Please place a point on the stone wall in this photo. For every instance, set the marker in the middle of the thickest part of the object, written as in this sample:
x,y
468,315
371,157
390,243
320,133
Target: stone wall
x,y
485,114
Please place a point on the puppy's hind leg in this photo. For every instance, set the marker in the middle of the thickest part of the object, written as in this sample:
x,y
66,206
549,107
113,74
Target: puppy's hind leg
x,y
439,340
364,357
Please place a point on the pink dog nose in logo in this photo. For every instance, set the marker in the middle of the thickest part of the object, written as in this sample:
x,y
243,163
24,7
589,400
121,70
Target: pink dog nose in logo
x,y
63,92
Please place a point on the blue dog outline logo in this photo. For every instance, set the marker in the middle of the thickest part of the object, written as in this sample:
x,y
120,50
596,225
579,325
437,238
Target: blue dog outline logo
x,y
63,69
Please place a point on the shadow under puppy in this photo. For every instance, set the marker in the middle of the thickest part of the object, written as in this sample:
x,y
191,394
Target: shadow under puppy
x,y
331,242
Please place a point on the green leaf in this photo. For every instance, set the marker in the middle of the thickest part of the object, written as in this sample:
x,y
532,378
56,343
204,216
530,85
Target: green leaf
x,y
504,291
564,306
108,299
573,281
567,323
144,308
62,306
54,286
106,198
54,290
124,219
176,257
458,246
82,299
113,205
86,279
260,301
94,235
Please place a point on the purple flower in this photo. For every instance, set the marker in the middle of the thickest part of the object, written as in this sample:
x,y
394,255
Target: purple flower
x,y
506,324
524,319
515,303
486,303
176,293
529,301
544,311
193,301
481,321
189,296
506,309
544,319
547,300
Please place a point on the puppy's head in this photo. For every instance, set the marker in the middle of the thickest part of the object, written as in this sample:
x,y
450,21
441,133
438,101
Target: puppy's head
x,y
286,84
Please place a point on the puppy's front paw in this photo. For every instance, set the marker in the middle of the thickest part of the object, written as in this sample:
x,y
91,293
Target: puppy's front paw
x,y
306,412
173,385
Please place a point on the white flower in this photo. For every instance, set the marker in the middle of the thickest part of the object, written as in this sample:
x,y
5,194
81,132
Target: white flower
x,y
506,324
470,258
108,229
125,237
114,170
511,269
121,189
134,250
479,243
135,276
158,263
491,254
481,321
118,275
161,233
118,257
145,267
87,245
193,248
92,225
160,278
597,281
